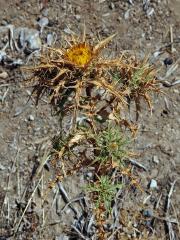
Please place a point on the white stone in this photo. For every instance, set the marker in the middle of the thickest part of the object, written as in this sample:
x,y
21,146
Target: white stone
x,y
155,159
153,184
3,75
31,118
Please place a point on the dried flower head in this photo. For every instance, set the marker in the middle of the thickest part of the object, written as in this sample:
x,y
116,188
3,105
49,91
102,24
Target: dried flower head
x,y
79,54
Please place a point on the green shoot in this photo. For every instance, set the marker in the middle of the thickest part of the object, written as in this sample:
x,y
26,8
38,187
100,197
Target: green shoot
x,y
112,145
103,192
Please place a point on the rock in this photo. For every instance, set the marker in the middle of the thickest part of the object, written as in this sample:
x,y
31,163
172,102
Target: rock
x,y
50,39
2,55
31,118
150,12
168,61
78,17
28,92
112,6
45,12
157,53
155,159
2,167
3,75
88,175
148,213
148,223
18,111
29,39
126,14
153,184
43,22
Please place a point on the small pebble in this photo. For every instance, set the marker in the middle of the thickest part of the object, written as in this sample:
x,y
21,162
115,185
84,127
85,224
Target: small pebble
x,y
31,118
28,92
18,111
150,12
45,12
2,167
106,15
3,75
155,159
111,6
78,17
88,175
50,39
168,61
153,184
148,223
43,22
126,14
156,54
2,55
148,213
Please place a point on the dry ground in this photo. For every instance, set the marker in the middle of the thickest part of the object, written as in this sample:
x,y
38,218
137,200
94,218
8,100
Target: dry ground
x,y
26,128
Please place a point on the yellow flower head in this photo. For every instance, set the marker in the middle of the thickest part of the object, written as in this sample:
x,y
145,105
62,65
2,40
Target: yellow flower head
x,y
79,54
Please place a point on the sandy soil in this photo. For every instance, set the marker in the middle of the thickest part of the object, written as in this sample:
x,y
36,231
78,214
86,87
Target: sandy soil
x,y
25,129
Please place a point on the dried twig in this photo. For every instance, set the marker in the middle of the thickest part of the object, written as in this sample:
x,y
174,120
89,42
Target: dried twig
x,y
70,202
168,84
168,223
169,196
176,217
171,38
79,233
9,181
27,205
66,198
137,164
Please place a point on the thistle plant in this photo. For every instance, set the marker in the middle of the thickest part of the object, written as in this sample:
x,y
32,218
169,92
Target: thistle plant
x,y
82,84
